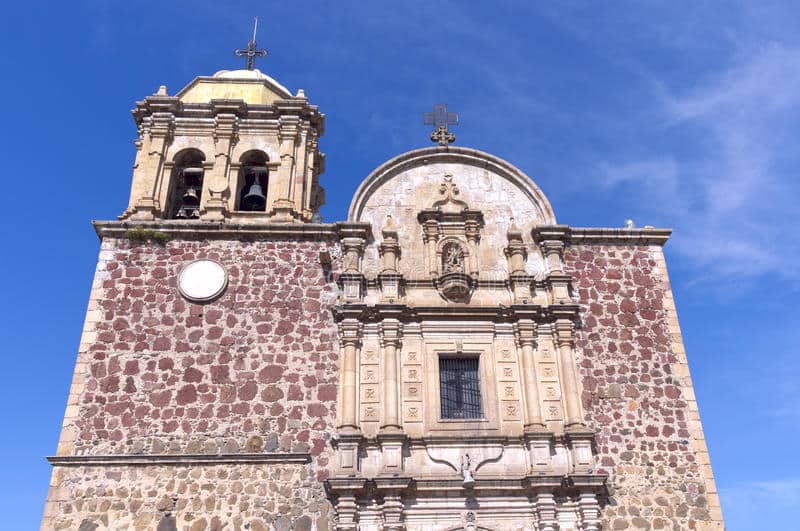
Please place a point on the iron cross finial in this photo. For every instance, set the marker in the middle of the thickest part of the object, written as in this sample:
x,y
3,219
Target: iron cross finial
x,y
252,50
440,119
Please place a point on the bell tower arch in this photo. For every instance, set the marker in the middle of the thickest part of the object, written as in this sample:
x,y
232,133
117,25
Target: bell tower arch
x,y
256,145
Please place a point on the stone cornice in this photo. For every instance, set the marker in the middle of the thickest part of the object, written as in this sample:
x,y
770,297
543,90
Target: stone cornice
x,y
233,231
428,486
339,230
378,312
177,459
298,107
617,236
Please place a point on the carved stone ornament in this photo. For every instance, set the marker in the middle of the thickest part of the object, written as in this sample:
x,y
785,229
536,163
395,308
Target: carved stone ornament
x,y
456,287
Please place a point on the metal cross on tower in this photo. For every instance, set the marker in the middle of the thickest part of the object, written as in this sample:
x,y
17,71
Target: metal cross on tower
x,y
440,118
251,52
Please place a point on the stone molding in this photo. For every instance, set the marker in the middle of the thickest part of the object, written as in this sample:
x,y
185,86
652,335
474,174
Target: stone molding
x,y
222,230
617,236
449,154
234,231
378,312
177,459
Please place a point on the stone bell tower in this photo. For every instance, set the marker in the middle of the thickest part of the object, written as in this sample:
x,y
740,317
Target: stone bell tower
x,y
204,391
235,146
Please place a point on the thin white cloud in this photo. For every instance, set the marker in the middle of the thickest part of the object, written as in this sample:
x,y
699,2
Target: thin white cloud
x,y
760,504
734,194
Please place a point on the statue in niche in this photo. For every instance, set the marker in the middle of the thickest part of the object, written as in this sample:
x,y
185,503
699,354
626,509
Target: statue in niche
x,y
452,259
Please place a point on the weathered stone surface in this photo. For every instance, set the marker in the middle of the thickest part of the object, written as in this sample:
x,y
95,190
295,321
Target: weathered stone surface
x,y
631,392
161,379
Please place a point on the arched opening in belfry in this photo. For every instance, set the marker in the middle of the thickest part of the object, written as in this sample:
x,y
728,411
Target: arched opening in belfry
x,y
253,181
187,188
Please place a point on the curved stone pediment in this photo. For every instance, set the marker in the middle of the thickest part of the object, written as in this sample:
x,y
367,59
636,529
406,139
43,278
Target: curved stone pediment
x,y
447,184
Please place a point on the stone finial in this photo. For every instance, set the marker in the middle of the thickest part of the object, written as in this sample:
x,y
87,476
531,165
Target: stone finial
x,y
389,248
516,251
389,229
449,191
300,93
162,91
514,232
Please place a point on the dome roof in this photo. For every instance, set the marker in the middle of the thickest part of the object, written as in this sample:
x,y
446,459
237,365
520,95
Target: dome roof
x,y
252,86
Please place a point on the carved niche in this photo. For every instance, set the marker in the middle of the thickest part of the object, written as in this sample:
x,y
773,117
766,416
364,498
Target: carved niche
x,y
451,232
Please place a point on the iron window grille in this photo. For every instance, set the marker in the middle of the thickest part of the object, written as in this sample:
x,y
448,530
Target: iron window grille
x,y
459,388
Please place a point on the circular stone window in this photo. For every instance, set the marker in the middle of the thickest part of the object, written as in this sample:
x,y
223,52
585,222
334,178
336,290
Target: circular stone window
x,y
202,280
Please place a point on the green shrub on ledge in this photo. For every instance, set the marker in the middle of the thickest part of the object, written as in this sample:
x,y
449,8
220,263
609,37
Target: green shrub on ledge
x,y
140,234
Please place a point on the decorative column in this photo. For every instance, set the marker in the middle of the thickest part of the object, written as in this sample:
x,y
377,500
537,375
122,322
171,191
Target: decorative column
x,y
350,334
526,336
349,437
430,235
390,337
537,437
156,125
551,240
391,437
312,148
472,230
282,209
352,237
553,250
389,249
565,338
517,254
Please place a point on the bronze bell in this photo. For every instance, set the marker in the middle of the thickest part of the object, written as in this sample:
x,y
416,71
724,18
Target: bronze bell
x,y
190,198
254,200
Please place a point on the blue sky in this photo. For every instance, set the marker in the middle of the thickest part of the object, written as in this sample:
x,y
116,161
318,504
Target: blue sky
x,y
676,114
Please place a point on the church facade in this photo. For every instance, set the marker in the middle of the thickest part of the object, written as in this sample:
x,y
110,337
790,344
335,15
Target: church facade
x,y
449,357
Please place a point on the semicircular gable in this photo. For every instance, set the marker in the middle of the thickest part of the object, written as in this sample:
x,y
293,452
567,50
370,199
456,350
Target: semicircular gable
x,y
450,180
432,159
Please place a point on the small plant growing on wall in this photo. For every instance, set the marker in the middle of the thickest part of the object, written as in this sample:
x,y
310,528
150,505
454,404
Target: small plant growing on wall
x,y
141,235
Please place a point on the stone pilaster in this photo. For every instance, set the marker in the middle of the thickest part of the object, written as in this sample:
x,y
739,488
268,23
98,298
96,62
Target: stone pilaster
x,y
551,239
350,339
282,208
391,437
516,252
351,280
388,278
157,130
216,187
565,339
526,338
349,439
390,330
430,236
472,230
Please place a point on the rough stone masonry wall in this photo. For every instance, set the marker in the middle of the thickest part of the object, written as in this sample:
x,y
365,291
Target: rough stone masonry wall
x,y
637,392
255,371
